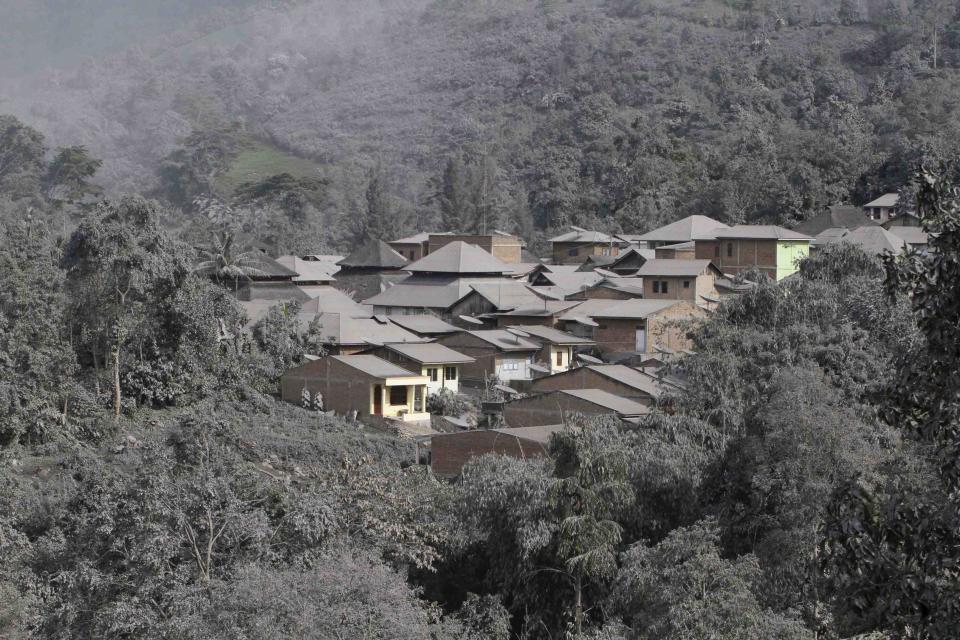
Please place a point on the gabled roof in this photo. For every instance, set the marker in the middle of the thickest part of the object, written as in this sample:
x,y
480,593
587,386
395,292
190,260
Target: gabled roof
x,y
886,200
375,254
506,295
584,236
424,324
632,308
842,216
542,309
666,267
460,258
551,335
689,228
571,281
540,435
632,253
417,238
309,270
504,340
592,262
621,406
342,330
429,353
759,232
629,377
375,367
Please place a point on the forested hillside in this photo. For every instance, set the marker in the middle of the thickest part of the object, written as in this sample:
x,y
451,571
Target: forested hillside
x,y
529,115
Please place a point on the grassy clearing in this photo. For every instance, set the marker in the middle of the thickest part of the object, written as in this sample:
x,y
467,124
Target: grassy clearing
x,y
258,161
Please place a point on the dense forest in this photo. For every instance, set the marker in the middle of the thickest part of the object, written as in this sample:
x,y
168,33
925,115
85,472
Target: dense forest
x,y
803,485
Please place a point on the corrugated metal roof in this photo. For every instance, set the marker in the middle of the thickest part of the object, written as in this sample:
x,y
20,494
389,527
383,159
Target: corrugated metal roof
x,y
632,308
459,257
504,340
760,232
375,367
911,235
886,200
375,254
430,353
540,434
551,335
587,237
666,267
629,377
424,324
689,228
622,406
309,270
343,330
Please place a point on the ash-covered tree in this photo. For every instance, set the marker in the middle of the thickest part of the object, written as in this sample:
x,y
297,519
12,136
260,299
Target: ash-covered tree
x,y
22,163
890,542
121,270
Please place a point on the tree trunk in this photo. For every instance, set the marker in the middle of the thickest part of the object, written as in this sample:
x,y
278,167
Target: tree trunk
x,y
116,383
578,615
96,373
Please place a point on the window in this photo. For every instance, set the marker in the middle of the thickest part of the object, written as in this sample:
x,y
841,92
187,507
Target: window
x,y
559,358
729,249
686,284
398,396
656,286
663,286
432,374
573,252
450,373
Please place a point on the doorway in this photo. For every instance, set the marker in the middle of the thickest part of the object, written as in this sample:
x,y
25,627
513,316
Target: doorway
x,y
377,400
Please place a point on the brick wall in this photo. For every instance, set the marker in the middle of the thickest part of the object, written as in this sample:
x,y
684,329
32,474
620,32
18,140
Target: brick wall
x,y
343,388
546,409
450,452
746,254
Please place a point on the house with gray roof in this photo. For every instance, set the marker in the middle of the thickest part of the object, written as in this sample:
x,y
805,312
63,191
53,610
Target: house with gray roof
x,y
874,240
365,384
690,280
439,363
773,251
686,230
883,208
578,244
617,379
559,407
558,348
496,352
370,269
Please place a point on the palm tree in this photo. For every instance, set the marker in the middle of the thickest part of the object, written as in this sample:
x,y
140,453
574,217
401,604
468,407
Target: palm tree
x,y
220,262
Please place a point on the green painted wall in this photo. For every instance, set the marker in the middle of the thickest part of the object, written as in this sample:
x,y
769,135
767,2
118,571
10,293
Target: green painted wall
x,y
788,254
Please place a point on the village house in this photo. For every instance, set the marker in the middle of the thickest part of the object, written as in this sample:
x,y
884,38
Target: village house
x,y
496,352
544,313
835,217
634,327
362,383
564,280
681,251
557,407
690,280
874,240
425,325
883,208
438,363
629,261
625,288
311,274
688,229
441,280
369,269
558,348
450,452
773,250
265,279
617,379
505,247
576,245
341,334
412,247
